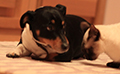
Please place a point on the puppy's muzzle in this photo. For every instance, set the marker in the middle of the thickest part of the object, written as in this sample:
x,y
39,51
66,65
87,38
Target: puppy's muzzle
x,y
65,43
65,46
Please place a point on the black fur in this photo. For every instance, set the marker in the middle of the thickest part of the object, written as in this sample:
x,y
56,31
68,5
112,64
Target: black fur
x,y
74,34
73,28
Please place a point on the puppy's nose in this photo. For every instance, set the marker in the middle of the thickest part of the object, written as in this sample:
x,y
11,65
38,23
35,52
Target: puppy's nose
x,y
64,46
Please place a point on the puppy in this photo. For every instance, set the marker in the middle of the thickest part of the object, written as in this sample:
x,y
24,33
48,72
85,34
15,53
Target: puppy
x,y
49,34
103,38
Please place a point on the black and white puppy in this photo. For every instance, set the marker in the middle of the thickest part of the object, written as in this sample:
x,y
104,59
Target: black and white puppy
x,y
49,34
103,38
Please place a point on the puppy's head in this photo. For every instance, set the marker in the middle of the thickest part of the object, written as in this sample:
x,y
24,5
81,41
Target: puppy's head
x,y
48,26
90,44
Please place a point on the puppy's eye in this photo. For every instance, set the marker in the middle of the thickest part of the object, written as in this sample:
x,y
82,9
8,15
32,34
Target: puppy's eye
x,y
50,28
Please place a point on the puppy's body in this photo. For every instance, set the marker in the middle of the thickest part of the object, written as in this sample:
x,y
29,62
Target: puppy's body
x,y
103,38
49,34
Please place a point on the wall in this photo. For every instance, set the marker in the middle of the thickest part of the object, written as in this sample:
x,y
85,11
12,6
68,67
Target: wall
x,y
112,12
12,10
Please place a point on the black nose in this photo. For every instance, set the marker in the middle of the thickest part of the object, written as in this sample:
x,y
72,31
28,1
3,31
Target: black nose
x,y
64,46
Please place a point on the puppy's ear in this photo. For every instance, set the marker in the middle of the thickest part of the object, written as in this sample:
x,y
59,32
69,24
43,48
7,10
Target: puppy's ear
x,y
84,26
61,8
26,18
94,33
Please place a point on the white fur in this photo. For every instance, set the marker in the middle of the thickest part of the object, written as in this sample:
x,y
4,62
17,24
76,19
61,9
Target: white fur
x,y
29,45
109,41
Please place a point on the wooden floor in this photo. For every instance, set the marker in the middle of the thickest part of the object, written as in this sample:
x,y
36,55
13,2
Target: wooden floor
x,y
9,34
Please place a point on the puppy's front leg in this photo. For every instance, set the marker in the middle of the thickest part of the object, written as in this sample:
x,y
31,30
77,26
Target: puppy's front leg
x,y
114,64
20,51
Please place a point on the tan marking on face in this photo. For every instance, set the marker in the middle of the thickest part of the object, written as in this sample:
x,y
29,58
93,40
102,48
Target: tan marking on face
x,y
37,32
53,21
52,43
63,22
55,44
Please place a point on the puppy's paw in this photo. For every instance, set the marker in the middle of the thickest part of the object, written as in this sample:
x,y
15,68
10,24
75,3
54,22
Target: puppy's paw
x,y
113,64
12,55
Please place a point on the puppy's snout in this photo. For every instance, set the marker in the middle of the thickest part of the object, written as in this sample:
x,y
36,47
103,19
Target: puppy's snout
x,y
65,46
